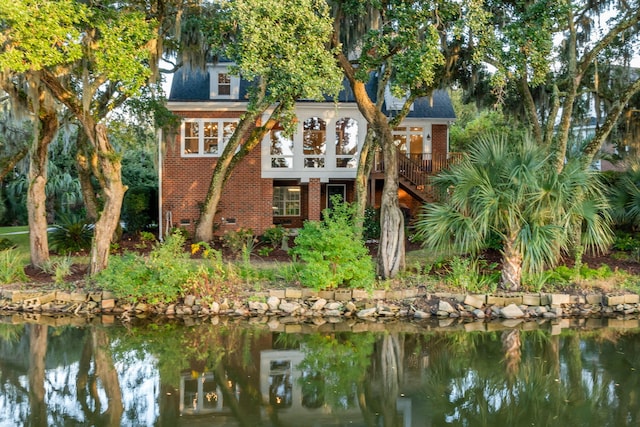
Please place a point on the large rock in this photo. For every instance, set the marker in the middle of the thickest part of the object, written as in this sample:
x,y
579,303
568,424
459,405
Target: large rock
x,y
512,311
445,307
367,312
289,307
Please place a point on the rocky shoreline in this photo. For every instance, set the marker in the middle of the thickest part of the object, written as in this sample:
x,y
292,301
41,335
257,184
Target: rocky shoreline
x,y
294,305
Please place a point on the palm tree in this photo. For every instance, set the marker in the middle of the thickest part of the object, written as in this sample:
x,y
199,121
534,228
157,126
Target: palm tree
x,y
506,186
625,196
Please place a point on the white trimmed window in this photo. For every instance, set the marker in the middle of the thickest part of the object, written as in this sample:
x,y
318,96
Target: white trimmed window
x,y
314,142
286,201
222,84
205,137
410,140
346,143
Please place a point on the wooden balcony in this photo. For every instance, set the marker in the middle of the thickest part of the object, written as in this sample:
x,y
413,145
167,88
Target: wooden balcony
x,y
415,171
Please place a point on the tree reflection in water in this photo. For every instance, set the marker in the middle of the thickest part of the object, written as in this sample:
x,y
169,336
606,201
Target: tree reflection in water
x,y
237,374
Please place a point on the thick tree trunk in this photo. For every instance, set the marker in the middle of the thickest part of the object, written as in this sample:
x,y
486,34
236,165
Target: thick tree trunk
x,y
227,161
512,348
511,266
86,162
106,371
391,251
37,353
204,229
47,127
113,191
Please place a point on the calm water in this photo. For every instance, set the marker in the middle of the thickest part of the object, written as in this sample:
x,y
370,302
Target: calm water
x,y
238,374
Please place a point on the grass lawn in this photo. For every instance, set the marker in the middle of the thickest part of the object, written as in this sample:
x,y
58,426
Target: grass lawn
x,y
19,236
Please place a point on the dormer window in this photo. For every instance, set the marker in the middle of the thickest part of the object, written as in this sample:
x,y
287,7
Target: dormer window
x,y
224,84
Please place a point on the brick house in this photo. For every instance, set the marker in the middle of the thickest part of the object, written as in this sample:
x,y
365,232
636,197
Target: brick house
x,y
287,180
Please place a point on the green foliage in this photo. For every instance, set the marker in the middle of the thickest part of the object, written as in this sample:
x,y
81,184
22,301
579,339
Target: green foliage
x,y
11,266
60,267
6,244
333,367
284,44
274,235
462,135
371,224
627,242
332,253
472,275
139,208
239,240
624,194
71,233
41,34
160,277
506,187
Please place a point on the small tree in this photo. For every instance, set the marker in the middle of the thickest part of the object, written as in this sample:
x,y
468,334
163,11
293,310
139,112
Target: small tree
x,y
332,251
507,186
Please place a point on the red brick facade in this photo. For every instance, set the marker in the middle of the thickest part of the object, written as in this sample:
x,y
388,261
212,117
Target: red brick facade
x,y
247,199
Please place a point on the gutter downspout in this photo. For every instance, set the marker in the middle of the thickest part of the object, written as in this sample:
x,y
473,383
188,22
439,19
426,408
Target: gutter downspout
x,y
160,170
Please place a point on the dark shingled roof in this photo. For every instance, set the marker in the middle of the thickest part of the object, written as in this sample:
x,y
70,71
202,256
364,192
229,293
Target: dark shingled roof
x,y
193,86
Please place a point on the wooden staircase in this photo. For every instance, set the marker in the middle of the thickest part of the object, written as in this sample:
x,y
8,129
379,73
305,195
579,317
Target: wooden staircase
x,y
415,179
415,173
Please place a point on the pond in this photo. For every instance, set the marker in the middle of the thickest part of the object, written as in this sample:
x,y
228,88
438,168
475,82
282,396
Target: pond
x,y
224,372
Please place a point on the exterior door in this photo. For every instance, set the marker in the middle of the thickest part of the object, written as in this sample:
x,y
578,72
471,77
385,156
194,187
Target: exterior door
x,y
333,189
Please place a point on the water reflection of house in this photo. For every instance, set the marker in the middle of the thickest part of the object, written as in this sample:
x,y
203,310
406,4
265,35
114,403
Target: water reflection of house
x,y
201,394
281,388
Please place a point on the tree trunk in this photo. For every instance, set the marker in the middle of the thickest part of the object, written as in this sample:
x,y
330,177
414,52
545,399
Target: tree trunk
x,y
511,266
226,163
204,229
106,371
365,163
86,163
37,354
512,348
46,129
113,191
391,252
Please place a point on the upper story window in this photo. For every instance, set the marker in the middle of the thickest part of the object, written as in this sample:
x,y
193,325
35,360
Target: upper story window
x,y
410,140
314,142
224,84
346,143
206,137
281,150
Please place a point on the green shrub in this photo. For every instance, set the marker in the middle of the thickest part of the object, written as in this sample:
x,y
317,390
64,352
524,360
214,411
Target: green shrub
x,y
138,208
332,254
626,242
472,275
71,233
238,240
6,244
561,275
160,277
59,267
371,224
11,266
273,236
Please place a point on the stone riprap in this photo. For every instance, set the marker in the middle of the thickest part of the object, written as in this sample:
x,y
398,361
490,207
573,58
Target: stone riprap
x,y
296,305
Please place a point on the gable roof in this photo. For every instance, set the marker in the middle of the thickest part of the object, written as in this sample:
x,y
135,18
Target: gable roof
x,y
193,85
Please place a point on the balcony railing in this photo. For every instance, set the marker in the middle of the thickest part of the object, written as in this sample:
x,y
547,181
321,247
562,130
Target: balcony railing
x,y
426,163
